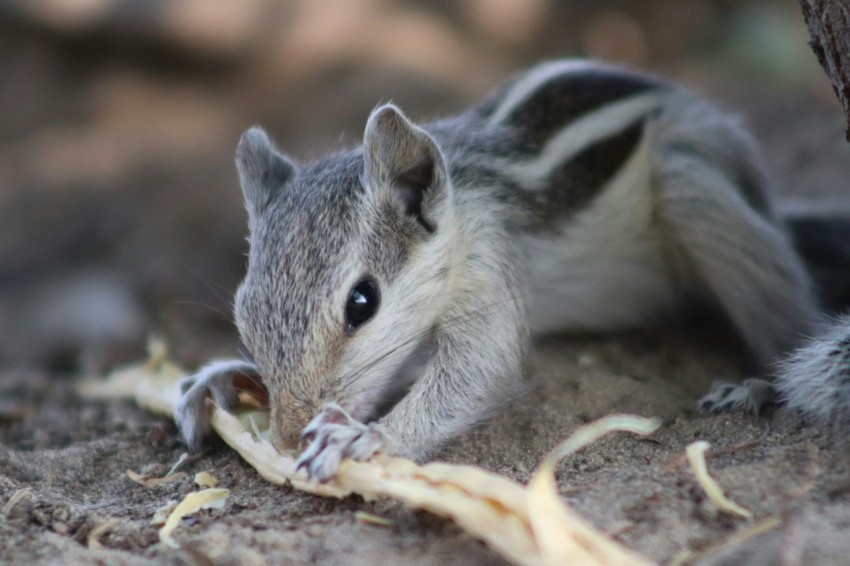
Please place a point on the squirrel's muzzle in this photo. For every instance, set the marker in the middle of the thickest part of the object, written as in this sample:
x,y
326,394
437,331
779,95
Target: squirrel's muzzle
x,y
289,417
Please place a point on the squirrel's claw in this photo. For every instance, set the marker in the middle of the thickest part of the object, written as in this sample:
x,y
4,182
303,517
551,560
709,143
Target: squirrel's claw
x,y
222,381
751,395
333,435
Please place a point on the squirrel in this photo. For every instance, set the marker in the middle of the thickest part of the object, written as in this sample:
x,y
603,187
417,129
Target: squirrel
x,y
393,290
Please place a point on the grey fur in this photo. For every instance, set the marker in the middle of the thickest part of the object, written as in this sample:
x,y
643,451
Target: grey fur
x,y
750,395
815,379
578,196
217,380
262,170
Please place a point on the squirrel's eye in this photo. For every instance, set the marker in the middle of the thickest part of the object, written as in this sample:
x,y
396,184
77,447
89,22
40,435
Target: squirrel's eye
x,y
361,305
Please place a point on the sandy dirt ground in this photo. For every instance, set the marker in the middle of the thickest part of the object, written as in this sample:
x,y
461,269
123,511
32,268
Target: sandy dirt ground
x,y
73,456
140,210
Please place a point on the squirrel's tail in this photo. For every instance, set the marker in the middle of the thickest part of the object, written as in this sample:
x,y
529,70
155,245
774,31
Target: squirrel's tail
x,y
815,379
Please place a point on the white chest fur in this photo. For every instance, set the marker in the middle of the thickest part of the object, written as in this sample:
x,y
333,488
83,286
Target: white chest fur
x,y
602,269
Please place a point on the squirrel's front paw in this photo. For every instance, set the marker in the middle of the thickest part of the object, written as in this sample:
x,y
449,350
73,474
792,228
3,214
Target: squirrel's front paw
x,y
333,435
221,381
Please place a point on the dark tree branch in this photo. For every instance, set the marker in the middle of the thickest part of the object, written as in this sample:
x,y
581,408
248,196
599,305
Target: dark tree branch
x,y
829,26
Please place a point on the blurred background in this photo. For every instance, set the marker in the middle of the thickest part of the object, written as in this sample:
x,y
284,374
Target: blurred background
x,y
120,212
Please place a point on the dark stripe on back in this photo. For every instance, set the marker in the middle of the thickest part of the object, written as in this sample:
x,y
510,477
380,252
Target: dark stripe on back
x,y
573,185
563,99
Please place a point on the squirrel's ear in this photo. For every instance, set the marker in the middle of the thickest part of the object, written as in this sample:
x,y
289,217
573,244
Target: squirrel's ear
x,y
262,170
403,162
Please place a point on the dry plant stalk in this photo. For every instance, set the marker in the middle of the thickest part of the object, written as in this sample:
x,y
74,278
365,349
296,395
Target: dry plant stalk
x,y
149,482
212,498
205,479
528,525
17,497
696,456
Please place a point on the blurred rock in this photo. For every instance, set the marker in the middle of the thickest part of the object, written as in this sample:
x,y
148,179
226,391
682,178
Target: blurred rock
x,y
57,320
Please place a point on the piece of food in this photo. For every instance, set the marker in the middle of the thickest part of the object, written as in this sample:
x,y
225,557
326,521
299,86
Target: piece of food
x,y
162,513
370,519
529,526
93,538
192,503
205,479
150,482
563,537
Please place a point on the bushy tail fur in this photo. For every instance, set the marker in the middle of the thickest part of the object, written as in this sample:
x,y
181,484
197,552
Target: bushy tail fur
x,y
815,379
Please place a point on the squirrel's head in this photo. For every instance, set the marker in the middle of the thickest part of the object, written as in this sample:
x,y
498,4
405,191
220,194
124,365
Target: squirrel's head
x,y
348,267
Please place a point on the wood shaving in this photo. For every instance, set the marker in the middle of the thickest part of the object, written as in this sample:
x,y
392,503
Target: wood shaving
x,y
747,533
192,503
123,381
205,479
370,519
17,497
696,458
529,526
162,513
100,530
150,483
564,537
181,461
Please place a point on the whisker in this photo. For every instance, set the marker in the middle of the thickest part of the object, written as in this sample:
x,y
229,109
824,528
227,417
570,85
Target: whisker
x,y
221,292
347,380
225,315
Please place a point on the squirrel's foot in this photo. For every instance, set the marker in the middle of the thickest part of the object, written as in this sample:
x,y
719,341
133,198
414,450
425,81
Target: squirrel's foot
x,y
333,435
221,381
751,395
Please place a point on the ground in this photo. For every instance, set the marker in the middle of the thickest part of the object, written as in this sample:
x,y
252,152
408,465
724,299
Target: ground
x,y
116,172
74,455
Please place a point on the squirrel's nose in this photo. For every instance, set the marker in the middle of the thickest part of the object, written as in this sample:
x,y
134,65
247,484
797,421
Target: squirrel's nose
x,y
288,420
285,441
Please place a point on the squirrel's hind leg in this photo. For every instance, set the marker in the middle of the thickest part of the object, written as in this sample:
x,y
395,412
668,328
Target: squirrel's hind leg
x,y
735,254
728,248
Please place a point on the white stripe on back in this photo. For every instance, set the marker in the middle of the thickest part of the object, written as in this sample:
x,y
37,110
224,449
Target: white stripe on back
x,y
532,82
581,134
